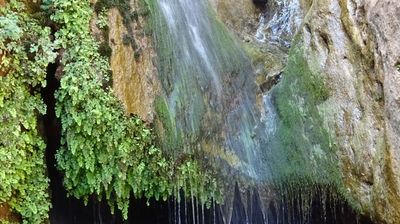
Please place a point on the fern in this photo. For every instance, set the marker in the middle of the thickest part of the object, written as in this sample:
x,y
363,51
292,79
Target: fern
x,y
26,50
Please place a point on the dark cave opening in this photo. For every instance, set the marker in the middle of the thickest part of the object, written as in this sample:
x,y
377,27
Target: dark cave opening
x,y
65,209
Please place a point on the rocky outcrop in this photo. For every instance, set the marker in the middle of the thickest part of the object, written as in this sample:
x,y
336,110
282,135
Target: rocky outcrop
x,y
350,45
134,77
241,17
354,45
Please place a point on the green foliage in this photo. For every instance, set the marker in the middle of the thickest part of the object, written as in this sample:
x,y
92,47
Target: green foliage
x,y
305,150
7,222
27,50
103,151
102,19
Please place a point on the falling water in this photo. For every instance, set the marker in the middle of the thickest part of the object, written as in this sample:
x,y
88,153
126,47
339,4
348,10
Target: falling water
x,y
281,27
209,88
209,103
191,28
208,107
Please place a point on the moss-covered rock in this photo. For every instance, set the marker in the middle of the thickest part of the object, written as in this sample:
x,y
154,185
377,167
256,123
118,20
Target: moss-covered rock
x,y
302,147
339,53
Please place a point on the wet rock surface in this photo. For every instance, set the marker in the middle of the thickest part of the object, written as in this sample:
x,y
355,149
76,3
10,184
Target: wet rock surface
x,y
240,17
353,44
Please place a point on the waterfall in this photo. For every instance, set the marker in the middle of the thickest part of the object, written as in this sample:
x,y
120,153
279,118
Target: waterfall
x,y
189,39
209,108
209,89
280,22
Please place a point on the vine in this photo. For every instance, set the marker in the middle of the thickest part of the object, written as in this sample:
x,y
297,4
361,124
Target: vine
x,y
103,151
25,50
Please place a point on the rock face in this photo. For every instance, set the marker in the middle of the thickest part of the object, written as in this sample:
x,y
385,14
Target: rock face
x,y
352,45
241,17
134,75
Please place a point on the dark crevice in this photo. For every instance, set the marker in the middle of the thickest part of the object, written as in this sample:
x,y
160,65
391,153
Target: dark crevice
x,y
397,66
291,208
260,4
271,81
64,209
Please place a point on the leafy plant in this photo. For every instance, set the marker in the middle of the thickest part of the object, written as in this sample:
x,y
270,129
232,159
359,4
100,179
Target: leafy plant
x,y
103,151
26,50
102,19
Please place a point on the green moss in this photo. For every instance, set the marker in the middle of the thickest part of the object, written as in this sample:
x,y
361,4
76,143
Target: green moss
x,y
304,154
168,138
7,222
305,147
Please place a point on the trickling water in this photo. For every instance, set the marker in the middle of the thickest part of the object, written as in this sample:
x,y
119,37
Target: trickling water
x,y
281,27
209,91
190,29
270,116
209,88
208,108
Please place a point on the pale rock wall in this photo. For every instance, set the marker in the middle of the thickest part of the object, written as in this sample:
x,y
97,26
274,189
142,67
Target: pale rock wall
x,y
239,16
134,77
354,43
354,46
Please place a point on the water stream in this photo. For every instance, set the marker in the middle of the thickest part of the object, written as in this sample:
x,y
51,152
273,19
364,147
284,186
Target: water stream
x,y
279,24
209,94
208,88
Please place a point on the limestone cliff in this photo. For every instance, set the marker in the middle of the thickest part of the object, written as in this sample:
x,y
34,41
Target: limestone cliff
x,y
134,77
352,45
355,46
